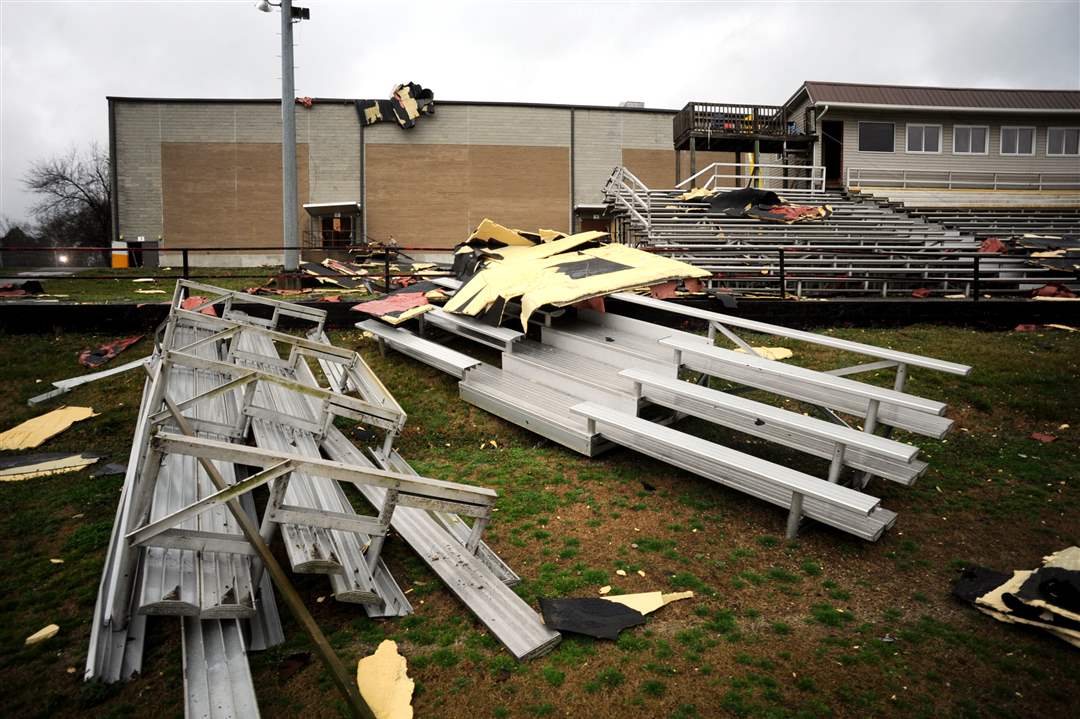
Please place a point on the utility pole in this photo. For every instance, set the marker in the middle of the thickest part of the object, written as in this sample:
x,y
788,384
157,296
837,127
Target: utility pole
x,y
288,143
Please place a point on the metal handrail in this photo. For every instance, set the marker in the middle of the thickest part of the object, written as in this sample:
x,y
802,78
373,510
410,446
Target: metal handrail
x,y
955,179
816,177
622,189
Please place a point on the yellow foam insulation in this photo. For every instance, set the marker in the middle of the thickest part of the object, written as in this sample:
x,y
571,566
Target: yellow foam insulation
x,y
42,634
773,353
33,432
696,194
407,314
533,275
491,230
1068,558
44,469
647,602
372,114
992,604
384,683
549,235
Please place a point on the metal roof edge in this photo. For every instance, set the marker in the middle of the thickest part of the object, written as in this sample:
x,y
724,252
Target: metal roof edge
x,y
345,101
941,108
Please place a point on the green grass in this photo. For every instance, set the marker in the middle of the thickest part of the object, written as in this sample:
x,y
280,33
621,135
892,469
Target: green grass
x,y
109,285
764,635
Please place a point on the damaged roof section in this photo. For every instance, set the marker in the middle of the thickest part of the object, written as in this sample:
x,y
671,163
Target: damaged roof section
x,y
546,268
407,103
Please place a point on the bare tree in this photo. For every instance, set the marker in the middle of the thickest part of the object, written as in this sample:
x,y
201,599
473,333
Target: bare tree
x,y
75,197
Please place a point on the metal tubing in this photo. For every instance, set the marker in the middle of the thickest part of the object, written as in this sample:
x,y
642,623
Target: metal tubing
x,y
783,274
837,464
871,416
288,143
976,290
794,515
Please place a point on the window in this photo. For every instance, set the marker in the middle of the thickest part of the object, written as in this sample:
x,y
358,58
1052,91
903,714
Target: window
x,y
876,136
1063,141
1017,140
970,139
924,138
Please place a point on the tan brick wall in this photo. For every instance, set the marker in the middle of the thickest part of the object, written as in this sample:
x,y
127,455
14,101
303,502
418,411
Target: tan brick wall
x,y
434,195
226,194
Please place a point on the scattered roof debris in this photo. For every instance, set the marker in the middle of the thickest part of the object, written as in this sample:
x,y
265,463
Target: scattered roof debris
x,y
757,204
66,385
590,616
558,272
407,103
648,602
773,353
1047,598
104,353
33,432
384,682
42,634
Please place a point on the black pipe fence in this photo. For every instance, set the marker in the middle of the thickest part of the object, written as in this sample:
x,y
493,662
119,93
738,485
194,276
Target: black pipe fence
x,y
775,268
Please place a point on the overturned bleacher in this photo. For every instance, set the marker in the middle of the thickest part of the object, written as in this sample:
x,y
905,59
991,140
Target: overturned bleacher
x,y
242,392
590,380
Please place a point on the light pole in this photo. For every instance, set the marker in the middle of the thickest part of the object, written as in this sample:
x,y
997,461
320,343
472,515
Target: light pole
x,y
289,200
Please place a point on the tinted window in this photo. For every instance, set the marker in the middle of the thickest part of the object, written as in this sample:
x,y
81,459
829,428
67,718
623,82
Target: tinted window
x,y
1063,141
876,136
978,139
932,138
1017,140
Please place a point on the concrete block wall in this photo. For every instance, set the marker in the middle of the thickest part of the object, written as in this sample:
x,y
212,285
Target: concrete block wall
x,y
593,140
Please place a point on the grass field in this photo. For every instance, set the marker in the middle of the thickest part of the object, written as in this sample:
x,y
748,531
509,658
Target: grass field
x,y
103,284
824,626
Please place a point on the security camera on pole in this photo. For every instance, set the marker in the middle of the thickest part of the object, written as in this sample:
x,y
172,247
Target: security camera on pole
x,y
289,15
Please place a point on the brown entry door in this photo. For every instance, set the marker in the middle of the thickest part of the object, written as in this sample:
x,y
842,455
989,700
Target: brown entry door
x,y
337,232
591,225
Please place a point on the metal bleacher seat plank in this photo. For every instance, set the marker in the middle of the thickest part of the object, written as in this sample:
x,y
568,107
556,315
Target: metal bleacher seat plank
x,y
862,450
424,350
823,501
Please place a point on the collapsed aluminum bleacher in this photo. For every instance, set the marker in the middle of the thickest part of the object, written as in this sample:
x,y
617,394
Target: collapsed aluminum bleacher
x,y
232,404
592,380
863,248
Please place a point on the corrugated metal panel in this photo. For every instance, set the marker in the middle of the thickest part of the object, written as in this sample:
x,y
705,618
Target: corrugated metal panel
x,y
944,96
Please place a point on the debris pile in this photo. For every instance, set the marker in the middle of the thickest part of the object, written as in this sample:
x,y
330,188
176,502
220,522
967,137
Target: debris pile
x,y
405,106
499,265
750,202
1047,597
223,414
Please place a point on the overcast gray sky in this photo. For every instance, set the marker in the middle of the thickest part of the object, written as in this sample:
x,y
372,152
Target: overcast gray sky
x,y
59,59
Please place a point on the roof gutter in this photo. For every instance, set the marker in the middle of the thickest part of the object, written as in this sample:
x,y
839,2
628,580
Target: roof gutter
x,y
940,108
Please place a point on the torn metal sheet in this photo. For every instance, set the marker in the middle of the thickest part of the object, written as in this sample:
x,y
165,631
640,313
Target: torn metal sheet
x,y
66,385
384,682
33,432
104,353
17,469
397,308
590,616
